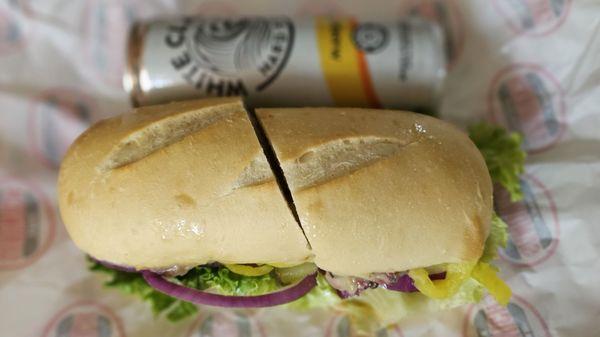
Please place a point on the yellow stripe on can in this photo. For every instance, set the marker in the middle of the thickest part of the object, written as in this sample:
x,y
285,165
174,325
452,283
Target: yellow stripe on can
x,y
344,66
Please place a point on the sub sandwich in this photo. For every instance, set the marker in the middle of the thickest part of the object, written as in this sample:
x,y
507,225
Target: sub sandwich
x,y
376,213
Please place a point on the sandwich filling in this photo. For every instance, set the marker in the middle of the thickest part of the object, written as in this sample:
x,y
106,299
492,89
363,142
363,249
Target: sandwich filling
x,y
389,296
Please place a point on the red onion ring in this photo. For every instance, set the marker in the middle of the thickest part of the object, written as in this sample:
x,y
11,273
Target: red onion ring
x,y
283,296
406,284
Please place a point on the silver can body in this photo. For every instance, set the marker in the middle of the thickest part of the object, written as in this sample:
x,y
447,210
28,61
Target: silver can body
x,y
280,61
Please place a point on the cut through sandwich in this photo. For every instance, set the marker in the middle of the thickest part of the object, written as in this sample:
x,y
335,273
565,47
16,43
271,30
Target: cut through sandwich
x,y
179,204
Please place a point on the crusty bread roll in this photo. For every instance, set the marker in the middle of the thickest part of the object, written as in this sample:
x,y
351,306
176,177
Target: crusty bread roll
x,y
382,191
181,184
188,183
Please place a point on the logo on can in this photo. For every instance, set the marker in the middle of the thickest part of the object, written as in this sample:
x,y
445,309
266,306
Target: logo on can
x,y
104,25
227,323
85,319
27,223
12,33
448,15
56,118
533,17
532,223
341,326
230,57
517,319
528,99
370,37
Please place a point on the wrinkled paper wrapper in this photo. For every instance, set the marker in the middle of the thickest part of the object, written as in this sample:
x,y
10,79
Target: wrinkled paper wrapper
x,y
531,65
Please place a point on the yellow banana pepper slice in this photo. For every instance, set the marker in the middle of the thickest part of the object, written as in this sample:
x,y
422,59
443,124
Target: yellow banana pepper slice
x,y
249,270
456,274
487,275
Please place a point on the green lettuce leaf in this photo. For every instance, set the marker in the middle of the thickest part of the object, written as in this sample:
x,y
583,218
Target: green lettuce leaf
x,y
221,280
380,307
323,295
134,284
503,155
181,310
216,279
498,238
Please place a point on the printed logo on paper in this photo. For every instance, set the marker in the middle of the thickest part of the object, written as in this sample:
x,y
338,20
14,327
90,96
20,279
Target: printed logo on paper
x,y
532,223
85,319
105,25
12,32
56,118
528,99
533,17
448,15
517,319
230,57
230,324
27,223
340,326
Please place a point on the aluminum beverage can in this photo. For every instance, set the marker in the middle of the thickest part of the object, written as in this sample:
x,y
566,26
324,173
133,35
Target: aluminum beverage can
x,y
280,61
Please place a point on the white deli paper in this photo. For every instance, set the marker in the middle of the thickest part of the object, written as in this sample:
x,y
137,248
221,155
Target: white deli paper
x,y
531,65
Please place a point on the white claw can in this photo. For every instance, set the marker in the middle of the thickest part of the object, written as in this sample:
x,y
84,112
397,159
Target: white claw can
x,y
279,61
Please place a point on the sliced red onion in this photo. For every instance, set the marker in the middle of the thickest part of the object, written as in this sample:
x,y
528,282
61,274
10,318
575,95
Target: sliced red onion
x,y
111,265
406,284
348,286
283,296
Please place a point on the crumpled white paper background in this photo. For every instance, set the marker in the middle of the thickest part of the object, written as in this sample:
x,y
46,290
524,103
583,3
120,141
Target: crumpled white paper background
x,y
532,65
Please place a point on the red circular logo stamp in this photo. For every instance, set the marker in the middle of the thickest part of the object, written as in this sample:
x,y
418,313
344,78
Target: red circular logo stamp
x,y
13,34
532,223
85,319
226,324
528,99
104,27
340,326
448,15
533,17
27,223
56,118
329,8
518,319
